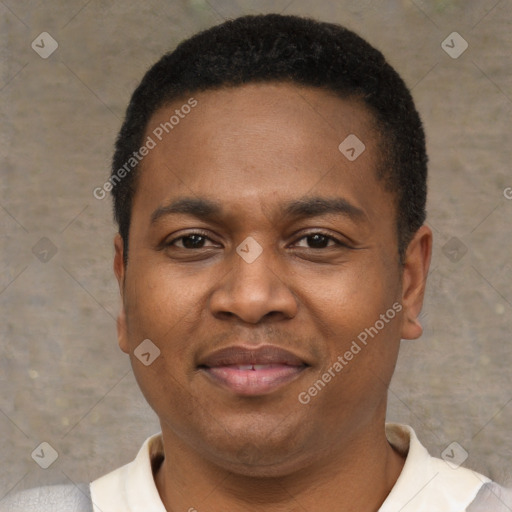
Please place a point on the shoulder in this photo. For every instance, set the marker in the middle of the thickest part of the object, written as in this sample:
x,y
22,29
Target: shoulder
x,y
49,498
428,483
492,497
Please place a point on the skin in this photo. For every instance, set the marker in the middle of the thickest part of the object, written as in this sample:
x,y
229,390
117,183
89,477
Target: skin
x,y
254,149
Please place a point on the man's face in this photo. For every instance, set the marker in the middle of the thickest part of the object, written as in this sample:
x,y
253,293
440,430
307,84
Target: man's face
x,y
265,160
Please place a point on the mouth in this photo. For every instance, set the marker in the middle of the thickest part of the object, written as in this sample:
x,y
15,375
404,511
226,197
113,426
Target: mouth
x,y
252,371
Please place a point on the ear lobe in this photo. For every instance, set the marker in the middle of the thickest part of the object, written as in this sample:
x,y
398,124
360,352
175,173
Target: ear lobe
x,y
120,271
122,331
415,271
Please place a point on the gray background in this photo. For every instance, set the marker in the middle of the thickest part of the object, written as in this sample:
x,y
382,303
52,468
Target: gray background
x,y
62,376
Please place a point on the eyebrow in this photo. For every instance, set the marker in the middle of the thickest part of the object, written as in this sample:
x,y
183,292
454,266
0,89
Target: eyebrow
x,y
202,208
316,206
207,209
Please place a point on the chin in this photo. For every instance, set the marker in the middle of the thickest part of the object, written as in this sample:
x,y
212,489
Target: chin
x,y
263,467
260,459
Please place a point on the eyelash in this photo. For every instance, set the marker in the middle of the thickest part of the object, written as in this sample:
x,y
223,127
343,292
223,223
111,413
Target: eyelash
x,y
339,243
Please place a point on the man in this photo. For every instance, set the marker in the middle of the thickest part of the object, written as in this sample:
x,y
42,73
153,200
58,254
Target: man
x,y
269,184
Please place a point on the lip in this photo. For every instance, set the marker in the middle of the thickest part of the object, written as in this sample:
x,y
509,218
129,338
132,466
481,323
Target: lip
x,y
252,371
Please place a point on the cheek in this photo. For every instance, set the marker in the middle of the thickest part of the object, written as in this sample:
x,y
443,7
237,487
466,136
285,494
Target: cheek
x,y
161,309
362,348
160,302
350,295
158,310
356,305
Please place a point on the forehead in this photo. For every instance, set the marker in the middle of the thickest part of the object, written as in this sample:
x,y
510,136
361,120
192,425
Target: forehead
x,y
261,144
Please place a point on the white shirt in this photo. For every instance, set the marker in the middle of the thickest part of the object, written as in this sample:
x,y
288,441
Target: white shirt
x,y
426,484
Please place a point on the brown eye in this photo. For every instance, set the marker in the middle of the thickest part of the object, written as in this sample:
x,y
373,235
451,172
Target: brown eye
x,y
189,241
319,241
193,241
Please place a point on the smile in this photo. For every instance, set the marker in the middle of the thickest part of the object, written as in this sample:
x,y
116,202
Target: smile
x,y
252,372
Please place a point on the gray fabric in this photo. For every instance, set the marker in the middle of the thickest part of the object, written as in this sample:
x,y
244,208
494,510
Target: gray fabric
x,y
50,498
492,498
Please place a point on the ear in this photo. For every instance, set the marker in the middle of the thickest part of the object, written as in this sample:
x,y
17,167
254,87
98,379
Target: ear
x,y
414,277
120,272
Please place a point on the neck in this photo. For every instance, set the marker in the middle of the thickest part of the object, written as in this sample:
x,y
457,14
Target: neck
x,y
357,476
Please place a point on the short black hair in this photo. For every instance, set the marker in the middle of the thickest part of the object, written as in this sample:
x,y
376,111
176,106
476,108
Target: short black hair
x,y
278,48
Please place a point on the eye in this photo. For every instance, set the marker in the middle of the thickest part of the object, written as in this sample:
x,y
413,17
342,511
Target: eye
x,y
319,240
189,241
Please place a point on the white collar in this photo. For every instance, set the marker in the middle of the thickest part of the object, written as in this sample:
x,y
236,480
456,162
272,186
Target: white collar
x,y
130,488
426,484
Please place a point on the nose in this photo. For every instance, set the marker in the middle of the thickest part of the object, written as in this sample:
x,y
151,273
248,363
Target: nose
x,y
253,292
